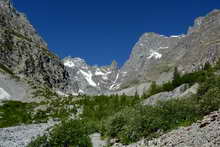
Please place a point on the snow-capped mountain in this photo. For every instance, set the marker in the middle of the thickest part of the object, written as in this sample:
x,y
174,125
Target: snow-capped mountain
x,y
86,79
153,58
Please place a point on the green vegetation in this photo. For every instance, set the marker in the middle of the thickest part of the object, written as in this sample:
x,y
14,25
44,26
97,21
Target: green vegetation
x,y
15,113
124,118
69,133
98,108
189,78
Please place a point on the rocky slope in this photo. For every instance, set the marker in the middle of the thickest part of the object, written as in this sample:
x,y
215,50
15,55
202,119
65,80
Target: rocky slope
x,y
182,91
12,89
24,52
204,133
21,136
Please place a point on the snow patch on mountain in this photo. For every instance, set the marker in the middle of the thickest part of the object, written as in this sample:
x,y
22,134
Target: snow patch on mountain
x,y
154,54
163,47
88,77
61,93
81,91
69,63
4,95
99,73
177,36
115,85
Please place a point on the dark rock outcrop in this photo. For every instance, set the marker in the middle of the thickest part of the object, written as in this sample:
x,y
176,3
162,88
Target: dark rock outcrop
x,y
25,53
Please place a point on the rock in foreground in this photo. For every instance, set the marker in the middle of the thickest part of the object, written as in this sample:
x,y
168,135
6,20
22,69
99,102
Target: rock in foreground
x,y
21,136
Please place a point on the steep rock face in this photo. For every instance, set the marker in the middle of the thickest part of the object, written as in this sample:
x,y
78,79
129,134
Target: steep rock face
x,y
154,56
148,52
24,52
86,79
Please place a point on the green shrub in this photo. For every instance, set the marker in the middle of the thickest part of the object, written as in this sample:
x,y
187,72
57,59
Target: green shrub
x,y
40,141
15,113
133,123
69,133
210,101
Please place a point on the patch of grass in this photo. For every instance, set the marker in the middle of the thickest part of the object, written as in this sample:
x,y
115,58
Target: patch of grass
x,y
15,113
98,108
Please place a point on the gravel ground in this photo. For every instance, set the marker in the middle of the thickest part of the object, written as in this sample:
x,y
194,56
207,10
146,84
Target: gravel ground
x,y
97,141
21,136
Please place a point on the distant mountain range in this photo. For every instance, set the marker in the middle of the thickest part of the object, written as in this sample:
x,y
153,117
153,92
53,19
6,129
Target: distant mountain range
x,y
153,57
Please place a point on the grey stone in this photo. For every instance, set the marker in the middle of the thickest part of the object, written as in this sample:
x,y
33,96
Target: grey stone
x,y
97,141
182,91
21,136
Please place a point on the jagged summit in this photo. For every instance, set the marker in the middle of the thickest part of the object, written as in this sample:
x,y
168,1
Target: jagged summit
x,y
89,79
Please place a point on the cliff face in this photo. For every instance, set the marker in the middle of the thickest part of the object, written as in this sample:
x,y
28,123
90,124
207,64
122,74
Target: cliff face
x,y
154,56
24,52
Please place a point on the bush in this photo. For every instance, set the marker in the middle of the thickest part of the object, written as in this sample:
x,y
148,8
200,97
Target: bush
x,y
15,113
68,133
41,141
131,124
99,108
210,101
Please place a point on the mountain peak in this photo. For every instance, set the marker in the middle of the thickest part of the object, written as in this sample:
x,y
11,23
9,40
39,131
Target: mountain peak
x,y
114,65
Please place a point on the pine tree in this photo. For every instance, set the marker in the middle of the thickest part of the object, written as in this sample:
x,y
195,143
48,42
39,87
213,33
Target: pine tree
x,y
207,66
136,95
176,78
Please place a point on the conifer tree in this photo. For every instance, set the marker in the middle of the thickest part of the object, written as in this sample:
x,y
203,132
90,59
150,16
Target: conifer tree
x,y
176,78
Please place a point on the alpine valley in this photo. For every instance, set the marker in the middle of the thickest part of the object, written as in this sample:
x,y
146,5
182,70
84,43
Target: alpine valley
x,y
166,94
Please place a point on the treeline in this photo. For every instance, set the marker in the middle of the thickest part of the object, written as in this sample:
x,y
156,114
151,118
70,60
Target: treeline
x,y
178,79
126,120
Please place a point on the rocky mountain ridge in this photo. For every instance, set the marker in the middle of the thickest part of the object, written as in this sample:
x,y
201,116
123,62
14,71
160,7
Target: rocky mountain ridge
x,y
154,56
86,79
24,53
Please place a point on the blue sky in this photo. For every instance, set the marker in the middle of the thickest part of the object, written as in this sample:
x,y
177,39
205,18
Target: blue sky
x,y
104,30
